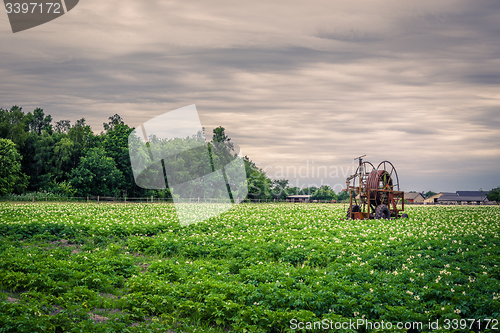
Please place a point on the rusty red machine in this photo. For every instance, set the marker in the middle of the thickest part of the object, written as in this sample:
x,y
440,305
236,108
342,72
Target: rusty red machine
x,y
375,192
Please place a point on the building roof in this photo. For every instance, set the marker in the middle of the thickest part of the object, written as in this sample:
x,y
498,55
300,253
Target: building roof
x,y
448,197
472,193
412,195
461,198
440,194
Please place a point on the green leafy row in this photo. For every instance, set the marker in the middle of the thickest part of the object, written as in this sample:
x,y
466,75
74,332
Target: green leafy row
x,y
254,268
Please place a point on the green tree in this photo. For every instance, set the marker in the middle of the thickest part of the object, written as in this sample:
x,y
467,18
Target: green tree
x,y
63,151
38,122
259,185
43,169
221,151
83,138
64,188
494,195
96,174
325,192
428,194
62,126
342,196
310,190
219,135
14,125
47,159
12,180
113,121
279,188
115,143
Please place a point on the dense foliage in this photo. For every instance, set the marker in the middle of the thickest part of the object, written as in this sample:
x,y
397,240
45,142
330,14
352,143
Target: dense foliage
x,y
11,177
71,160
131,267
494,194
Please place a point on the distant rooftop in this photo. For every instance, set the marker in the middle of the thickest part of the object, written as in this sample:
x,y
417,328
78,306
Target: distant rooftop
x,y
412,195
472,193
456,197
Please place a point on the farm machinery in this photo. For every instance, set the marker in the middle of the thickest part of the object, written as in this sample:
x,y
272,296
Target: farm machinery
x,y
374,192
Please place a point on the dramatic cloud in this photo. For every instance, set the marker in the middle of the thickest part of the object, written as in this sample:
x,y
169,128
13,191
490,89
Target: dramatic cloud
x,y
296,84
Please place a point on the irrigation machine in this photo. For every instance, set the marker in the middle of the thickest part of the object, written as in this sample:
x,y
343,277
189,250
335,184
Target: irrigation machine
x,y
374,192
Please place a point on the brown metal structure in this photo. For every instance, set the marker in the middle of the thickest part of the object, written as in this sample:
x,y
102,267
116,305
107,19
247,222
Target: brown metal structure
x,y
375,192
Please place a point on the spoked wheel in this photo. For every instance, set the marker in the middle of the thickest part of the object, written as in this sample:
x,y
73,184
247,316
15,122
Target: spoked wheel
x,y
384,178
366,169
375,190
389,179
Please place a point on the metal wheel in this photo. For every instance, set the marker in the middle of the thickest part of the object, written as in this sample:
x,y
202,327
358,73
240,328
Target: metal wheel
x,y
390,179
366,170
373,189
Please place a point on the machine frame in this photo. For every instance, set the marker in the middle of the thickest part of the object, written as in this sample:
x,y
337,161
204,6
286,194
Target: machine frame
x,y
374,192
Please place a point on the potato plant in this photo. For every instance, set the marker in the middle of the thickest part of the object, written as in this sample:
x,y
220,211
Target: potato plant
x,y
133,268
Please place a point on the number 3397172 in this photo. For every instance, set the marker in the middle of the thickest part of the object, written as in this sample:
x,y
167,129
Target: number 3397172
x,y
33,8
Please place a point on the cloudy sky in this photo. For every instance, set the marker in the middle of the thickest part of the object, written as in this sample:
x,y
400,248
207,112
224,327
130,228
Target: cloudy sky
x,y
297,84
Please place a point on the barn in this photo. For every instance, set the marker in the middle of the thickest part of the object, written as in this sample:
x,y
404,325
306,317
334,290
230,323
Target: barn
x,y
299,198
465,197
413,197
434,198
459,198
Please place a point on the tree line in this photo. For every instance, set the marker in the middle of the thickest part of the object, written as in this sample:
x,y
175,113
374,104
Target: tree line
x,y
38,154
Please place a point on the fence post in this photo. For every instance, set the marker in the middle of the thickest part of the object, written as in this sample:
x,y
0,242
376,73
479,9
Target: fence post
x,y
87,199
33,198
98,199
151,199
125,199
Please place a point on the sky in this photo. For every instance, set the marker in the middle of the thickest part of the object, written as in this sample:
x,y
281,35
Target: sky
x,y
300,86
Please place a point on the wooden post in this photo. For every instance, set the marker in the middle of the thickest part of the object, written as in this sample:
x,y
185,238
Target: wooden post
x,y
87,199
125,199
151,199
97,199
33,198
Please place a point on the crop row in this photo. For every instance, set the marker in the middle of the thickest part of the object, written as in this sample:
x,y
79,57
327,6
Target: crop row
x,y
253,268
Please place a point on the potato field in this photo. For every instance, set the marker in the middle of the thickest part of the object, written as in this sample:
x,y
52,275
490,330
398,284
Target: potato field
x,y
257,268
